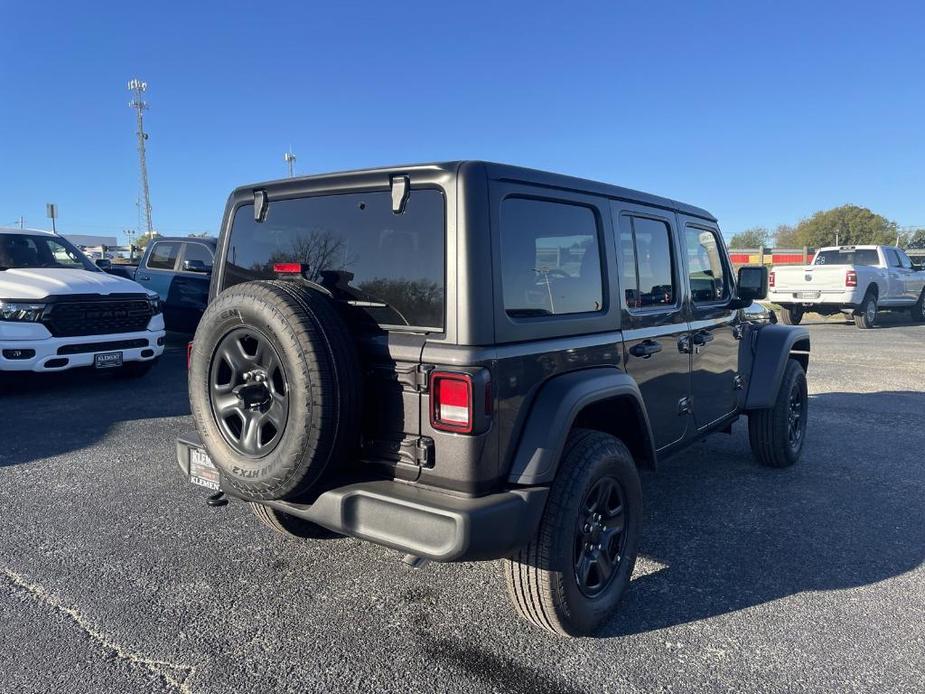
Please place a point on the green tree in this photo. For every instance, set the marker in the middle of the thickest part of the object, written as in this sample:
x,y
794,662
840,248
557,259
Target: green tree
x,y
785,236
850,224
755,237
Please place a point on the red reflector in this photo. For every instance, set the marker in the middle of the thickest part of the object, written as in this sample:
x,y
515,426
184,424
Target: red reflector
x,y
189,353
288,268
851,278
771,280
451,402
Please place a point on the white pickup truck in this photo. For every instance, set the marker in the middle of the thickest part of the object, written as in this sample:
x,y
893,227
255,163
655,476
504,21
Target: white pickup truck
x,y
59,311
856,280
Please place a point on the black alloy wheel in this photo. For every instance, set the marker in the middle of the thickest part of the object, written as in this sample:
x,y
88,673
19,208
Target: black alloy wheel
x,y
600,537
796,422
249,392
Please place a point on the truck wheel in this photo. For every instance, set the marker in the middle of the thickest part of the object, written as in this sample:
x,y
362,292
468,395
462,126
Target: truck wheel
x,y
289,525
866,315
274,387
792,315
777,434
918,310
571,576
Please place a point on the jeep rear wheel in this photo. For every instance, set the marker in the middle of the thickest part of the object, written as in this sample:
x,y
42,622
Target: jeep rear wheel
x,y
777,434
273,386
571,576
289,525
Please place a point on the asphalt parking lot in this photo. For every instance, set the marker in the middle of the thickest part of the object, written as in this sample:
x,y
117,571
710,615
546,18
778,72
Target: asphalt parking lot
x,y
116,577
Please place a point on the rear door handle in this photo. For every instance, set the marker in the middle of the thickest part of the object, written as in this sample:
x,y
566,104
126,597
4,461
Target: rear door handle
x,y
703,337
645,349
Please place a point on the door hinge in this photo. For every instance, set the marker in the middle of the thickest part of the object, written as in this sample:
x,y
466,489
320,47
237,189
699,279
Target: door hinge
x,y
422,377
738,382
684,405
738,331
424,452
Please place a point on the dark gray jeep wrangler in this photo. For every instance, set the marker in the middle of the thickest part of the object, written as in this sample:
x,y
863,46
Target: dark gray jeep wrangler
x,y
469,361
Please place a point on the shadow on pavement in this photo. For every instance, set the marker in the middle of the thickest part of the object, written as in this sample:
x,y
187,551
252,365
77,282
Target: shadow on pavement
x,y
732,535
885,319
51,414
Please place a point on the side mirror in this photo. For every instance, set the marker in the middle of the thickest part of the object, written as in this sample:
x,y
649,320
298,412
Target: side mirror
x,y
753,284
196,266
104,264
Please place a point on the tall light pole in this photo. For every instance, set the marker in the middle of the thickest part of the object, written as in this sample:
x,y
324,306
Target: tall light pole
x,y
138,88
289,158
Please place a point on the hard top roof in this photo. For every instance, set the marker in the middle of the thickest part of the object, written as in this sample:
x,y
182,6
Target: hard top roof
x,y
504,172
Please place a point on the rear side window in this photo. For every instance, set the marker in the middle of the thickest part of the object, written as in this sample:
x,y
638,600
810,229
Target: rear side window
x,y
859,256
892,258
706,273
391,266
904,260
196,251
163,255
647,264
550,258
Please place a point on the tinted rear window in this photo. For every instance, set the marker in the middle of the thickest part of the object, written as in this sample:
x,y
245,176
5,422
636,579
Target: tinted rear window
x,y
390,265
859,256
550,260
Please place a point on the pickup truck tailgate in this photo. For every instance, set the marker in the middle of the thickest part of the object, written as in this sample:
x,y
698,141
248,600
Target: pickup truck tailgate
x,y
811,278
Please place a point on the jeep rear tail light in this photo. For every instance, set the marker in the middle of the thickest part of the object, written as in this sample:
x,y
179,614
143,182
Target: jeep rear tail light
x,y
771,279
851,278
451,401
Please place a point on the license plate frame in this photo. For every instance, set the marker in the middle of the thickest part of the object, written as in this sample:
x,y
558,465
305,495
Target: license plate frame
x,y
107,360
807,295
202,470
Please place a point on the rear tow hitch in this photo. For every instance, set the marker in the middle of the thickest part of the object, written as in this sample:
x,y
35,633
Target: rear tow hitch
x,y
217,499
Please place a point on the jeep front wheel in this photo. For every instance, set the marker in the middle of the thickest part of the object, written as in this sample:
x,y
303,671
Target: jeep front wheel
x,y
777,434
571,576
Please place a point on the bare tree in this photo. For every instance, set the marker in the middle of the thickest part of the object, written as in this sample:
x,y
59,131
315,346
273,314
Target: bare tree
x,y
316,251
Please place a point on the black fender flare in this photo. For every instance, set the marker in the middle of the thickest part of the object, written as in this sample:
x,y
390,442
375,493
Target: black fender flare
x,y
772,348
553,412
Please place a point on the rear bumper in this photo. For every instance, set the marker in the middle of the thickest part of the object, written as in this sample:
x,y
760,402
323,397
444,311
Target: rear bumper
x,y
423,522
847,298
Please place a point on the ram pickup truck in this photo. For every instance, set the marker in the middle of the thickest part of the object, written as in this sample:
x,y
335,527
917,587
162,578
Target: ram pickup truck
x,y
856,280
59,311
179,269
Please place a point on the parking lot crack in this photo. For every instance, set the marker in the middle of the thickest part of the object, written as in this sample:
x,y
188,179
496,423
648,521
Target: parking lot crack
x,y
175,675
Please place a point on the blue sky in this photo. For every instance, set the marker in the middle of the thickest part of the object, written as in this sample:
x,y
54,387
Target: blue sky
x,y
762,112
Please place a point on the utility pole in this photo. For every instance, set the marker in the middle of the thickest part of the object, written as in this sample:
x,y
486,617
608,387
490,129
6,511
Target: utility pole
x,y
289,158
138,88
22,222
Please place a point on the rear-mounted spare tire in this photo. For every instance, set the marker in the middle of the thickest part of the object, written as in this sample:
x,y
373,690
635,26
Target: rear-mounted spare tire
x,y
274,388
